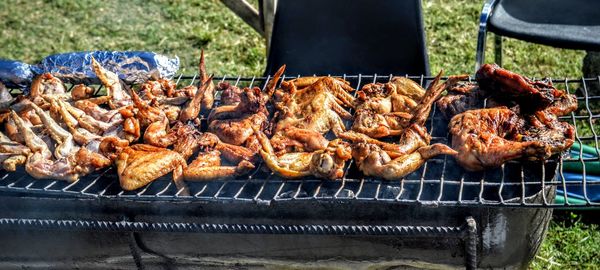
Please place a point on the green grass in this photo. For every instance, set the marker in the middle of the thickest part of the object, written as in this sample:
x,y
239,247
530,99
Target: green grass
x,y
570,245
31,30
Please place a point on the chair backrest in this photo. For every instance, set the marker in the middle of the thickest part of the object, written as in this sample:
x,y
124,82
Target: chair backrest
x,y
572,24
348,37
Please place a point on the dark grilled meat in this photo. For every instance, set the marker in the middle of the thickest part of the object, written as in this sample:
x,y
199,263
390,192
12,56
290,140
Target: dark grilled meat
x,y
505,85
499,87
230,94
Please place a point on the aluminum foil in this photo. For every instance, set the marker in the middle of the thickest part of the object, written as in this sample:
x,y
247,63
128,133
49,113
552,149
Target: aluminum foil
x,y
15,74
131,66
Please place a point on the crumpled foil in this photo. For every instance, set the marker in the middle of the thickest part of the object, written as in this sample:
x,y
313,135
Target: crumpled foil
x,y
131,66
15,74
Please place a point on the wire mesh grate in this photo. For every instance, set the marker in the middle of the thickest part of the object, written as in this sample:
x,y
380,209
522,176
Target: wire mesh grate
x,y
439,182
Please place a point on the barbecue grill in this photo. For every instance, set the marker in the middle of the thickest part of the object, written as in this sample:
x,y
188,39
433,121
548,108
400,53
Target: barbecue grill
x,y
437,216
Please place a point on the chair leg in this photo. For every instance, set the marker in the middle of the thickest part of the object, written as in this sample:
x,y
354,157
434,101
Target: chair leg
x,y
498,49
486,11
481,40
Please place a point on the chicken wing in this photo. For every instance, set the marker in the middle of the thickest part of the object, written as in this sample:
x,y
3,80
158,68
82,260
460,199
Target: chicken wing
x,y
115,89
207,166
328,163
373,161
140,164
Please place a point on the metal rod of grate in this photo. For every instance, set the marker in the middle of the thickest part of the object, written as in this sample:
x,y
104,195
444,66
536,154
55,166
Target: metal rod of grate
x,y
440,182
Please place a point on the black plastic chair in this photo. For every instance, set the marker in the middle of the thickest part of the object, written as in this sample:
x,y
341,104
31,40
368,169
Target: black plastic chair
x,y
335,37
572,24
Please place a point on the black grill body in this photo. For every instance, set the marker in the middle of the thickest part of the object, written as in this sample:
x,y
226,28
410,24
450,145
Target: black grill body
x,y
351,233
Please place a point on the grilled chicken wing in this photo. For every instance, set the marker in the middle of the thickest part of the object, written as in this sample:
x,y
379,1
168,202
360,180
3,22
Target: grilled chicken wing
x,y
140,164
154,89
233,153
541,95
373,161
207,166
318,106
294,139
394,161
328,163
115,89
203,98
234,124
208,96
188,141
12,154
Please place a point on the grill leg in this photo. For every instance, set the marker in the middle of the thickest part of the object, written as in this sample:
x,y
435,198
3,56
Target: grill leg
x,y
471,244
137,258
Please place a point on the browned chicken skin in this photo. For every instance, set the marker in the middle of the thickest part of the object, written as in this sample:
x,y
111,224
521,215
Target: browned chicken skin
x,y
394,161
82,91
487,138
235,124
203,98
463,96
140,164
207,166
328,163
230,94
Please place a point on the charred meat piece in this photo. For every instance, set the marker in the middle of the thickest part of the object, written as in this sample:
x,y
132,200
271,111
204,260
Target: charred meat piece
x,y
498,87
461,97
508,86
230,94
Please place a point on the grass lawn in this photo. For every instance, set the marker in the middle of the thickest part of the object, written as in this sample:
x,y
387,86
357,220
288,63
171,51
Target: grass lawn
x,y
31,30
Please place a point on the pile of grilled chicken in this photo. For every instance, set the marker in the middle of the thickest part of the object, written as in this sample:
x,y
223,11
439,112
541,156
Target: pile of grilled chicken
x,y
506,116
297,129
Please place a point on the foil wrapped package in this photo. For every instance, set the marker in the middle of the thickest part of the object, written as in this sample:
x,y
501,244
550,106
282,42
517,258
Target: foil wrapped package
x,y
131,66
15,74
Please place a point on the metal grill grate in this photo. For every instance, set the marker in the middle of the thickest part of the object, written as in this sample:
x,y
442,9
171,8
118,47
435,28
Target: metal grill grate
x,y
441,181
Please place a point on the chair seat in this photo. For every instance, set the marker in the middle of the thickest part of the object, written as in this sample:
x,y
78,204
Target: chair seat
x,y
573,24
